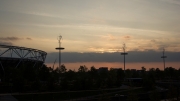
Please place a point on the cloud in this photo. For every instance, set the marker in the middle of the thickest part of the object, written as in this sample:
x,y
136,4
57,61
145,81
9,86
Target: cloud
x,y
127,37
10,38
102,50
133,56
29,38
5,43
177,2
110,37
100,27
153,40
43,14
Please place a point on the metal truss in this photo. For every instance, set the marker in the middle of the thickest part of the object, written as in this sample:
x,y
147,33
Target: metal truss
x,y
21,54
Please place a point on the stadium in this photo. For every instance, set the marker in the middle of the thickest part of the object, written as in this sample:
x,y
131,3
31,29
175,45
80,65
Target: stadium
x,y
15,56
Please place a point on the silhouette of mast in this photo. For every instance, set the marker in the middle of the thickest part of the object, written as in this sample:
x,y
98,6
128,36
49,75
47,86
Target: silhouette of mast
x,y
124,53
164,58
54,64
59,48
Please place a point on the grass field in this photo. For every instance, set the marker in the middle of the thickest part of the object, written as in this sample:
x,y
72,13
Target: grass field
x,y
67,95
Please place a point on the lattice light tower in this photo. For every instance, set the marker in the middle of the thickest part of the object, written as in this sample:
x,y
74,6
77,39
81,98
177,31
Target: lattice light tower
x,y
124,53
59,48
164,58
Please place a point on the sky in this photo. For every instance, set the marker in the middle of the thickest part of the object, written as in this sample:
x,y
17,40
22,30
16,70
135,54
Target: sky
x,y
93,31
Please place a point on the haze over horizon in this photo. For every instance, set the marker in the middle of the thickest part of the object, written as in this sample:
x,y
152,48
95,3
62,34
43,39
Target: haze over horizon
x,y
94,31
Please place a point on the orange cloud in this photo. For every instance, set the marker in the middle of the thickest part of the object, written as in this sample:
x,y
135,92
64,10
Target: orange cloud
x,y
127,37
110,37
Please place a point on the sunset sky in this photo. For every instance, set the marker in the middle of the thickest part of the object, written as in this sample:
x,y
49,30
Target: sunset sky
x,y
94,31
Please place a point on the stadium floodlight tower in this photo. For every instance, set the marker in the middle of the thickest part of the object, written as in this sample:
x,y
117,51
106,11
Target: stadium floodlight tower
x,y
124,53
164,57
59,48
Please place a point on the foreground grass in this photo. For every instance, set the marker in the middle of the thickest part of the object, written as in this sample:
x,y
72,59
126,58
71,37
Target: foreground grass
x,y
65,95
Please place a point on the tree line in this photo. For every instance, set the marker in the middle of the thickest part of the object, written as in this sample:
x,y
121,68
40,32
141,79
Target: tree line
x,y
44,78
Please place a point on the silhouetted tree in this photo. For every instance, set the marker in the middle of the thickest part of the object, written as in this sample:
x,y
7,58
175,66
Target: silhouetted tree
x,y
70,74
120,76
112,78
62,69
128,73
143,71
83,69
143,68
149,80
158,74
170,72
